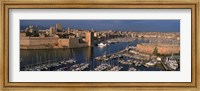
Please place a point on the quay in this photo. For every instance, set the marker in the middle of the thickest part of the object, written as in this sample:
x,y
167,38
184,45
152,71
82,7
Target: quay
x,y
129,52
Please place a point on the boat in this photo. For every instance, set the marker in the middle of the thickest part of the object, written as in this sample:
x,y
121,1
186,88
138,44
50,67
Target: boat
x,y
71,61
103,67
122,61
132,69
102,44
80,67
150,63
116,68
171,63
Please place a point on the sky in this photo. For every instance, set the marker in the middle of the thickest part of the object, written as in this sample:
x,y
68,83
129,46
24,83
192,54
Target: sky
x,y
115,25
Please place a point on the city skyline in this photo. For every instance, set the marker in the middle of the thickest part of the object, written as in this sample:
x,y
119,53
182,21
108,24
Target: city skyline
x,y
115,25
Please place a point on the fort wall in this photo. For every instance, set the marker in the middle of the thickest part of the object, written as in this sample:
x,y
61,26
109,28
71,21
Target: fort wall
x,y
38,42
63,42
24,41
49,43
74,43
161,49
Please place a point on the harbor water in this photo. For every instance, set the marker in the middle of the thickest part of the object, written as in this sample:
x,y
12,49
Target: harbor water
x,y
81,55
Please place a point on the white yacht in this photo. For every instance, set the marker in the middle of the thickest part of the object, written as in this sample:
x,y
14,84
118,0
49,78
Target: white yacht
x,y
102,44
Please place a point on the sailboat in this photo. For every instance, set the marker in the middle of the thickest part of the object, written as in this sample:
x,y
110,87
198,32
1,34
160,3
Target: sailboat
x,y
71,59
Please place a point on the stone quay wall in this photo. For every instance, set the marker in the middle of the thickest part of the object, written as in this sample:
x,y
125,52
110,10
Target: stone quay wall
x,y
161,48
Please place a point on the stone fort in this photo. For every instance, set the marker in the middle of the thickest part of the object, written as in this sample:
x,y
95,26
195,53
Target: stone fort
x,y
54,42
161,48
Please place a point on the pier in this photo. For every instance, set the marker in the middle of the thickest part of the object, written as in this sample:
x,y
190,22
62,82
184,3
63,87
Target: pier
x,y
166,68
128,52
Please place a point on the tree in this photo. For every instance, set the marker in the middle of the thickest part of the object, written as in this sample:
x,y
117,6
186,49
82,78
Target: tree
x,y
29,34
155,51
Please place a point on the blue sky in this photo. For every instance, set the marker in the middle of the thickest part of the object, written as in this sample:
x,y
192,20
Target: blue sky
x,y
116,25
